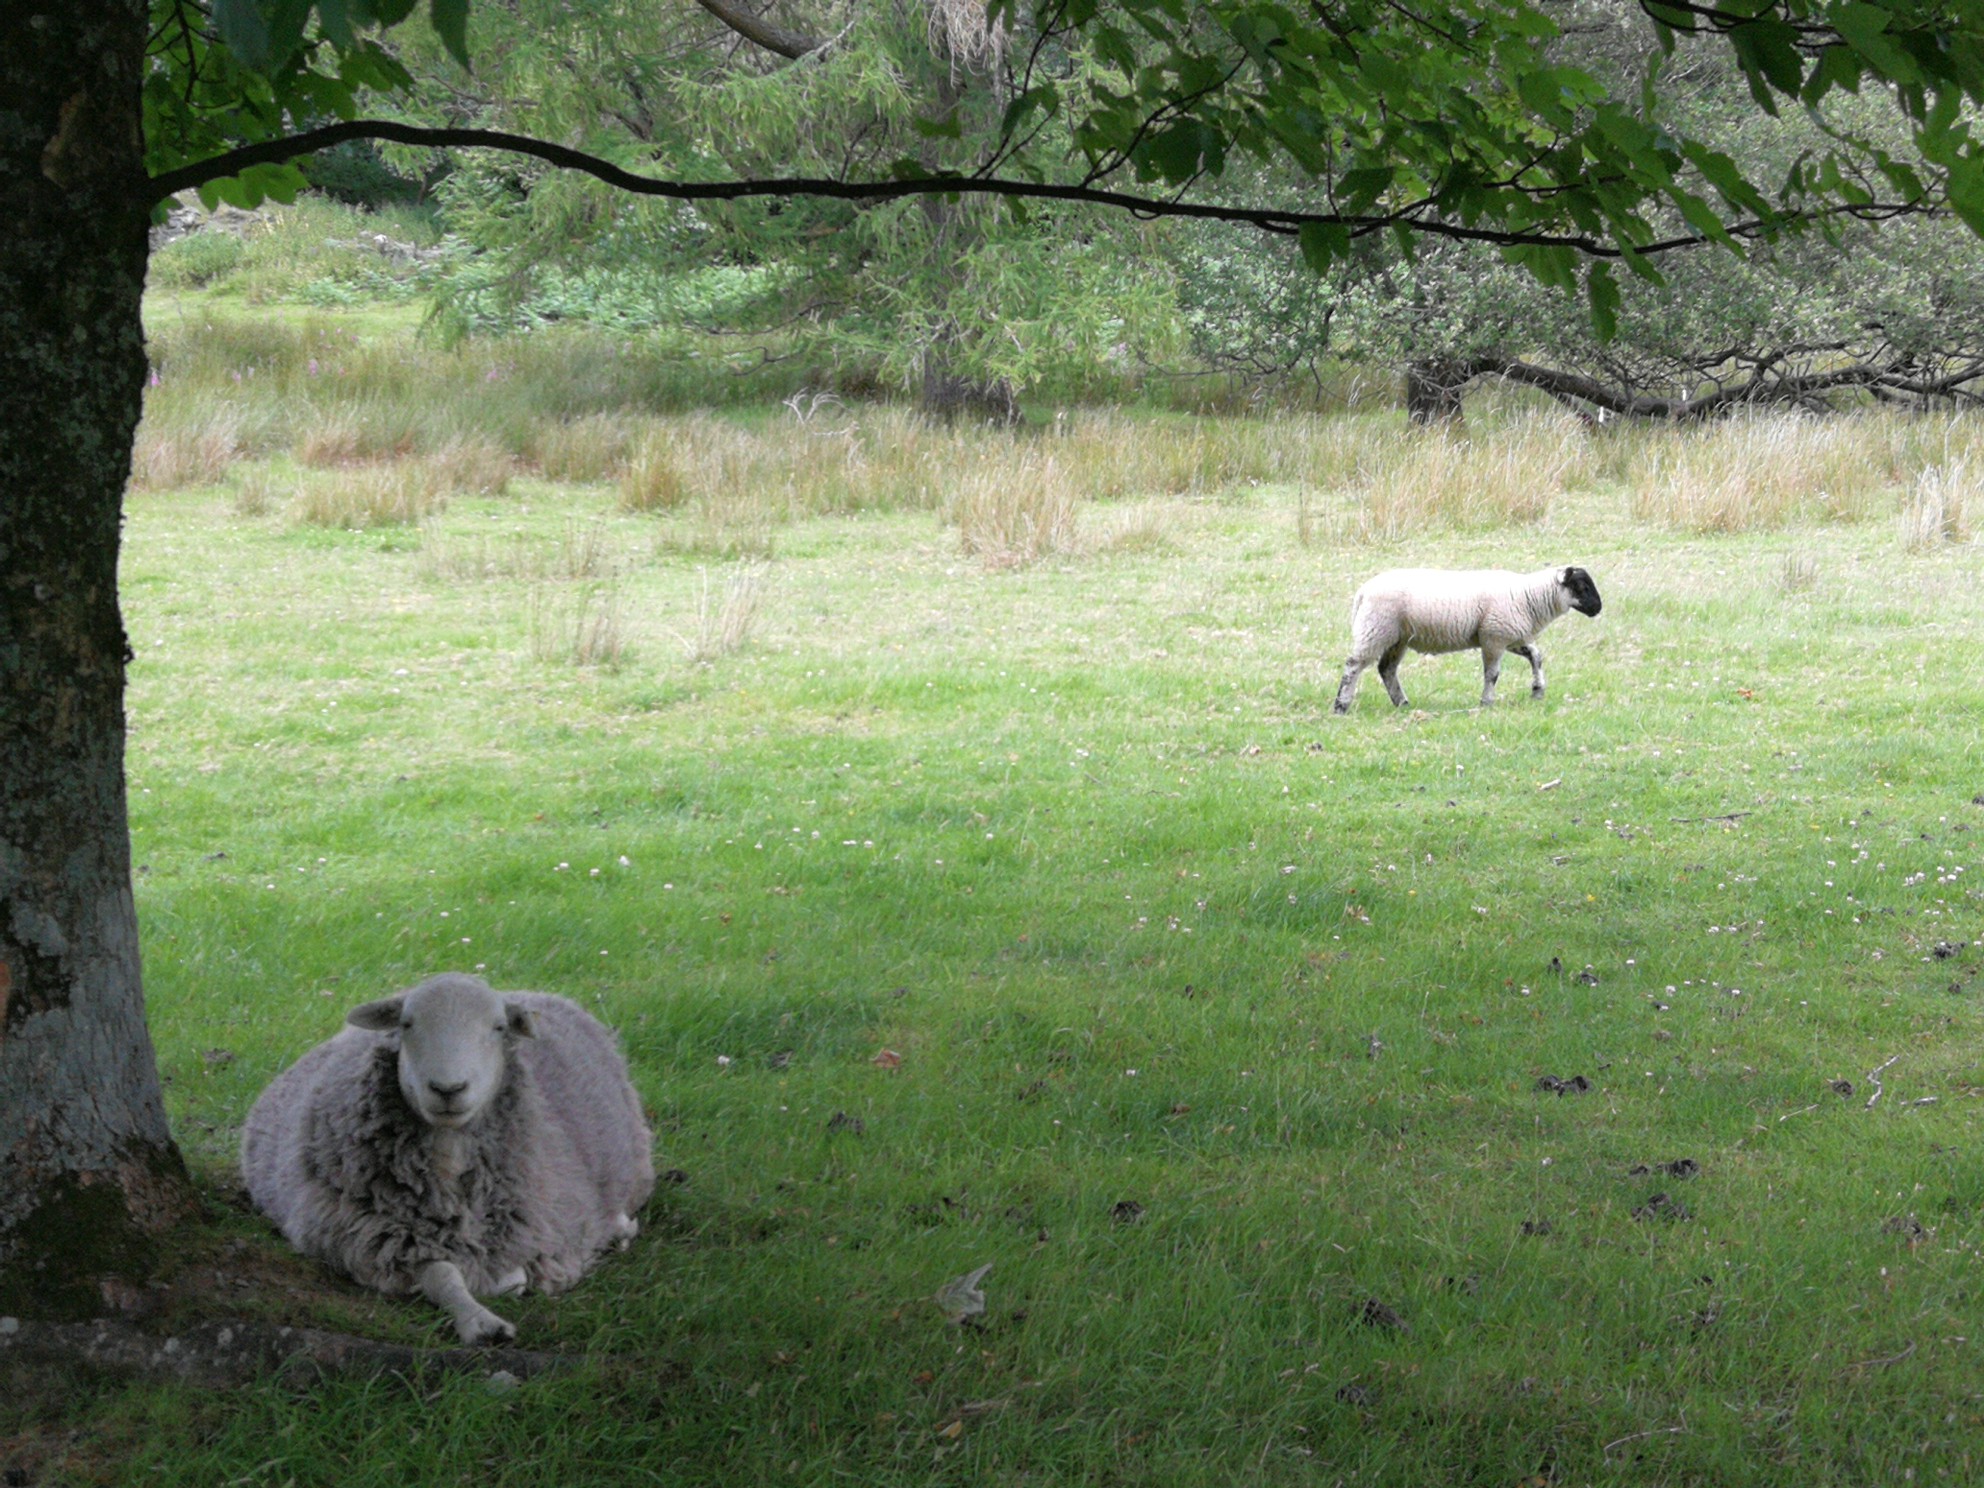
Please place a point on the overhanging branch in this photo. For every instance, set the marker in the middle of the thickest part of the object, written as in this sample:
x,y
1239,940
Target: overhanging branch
x,y
767,34
1268,219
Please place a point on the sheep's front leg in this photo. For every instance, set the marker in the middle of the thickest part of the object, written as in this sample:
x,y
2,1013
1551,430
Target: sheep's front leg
x,y
1533,654
1491,672
441,1283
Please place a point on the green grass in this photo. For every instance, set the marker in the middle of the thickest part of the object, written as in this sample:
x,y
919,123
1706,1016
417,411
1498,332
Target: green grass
x,y
804,763
1081,844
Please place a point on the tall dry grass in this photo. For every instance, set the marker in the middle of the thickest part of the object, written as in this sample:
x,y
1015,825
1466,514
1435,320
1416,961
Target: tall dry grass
x,y
378,494
1763,471
1016,512
724,620
582,625
1507,475
1938,506
583,551
198,450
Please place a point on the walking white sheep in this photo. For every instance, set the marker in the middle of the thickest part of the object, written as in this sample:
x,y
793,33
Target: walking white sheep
x,y
1434,610
457,1142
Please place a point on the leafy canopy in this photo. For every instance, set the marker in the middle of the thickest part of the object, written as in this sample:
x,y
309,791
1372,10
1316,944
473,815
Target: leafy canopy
x,y
1458,118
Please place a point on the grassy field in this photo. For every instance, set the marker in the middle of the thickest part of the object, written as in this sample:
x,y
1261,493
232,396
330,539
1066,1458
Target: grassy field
x,y
980,878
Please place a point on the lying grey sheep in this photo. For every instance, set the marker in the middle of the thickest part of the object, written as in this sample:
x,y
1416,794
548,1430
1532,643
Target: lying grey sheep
x,y
454,1141
1433,610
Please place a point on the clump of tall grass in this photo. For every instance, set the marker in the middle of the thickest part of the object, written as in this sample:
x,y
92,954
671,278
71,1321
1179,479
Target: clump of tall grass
x,y
583,551
1110,455
594,447
1506,475
881,459
381,494
579,625
194,450
1014,513
1757,472
1937,509
724,622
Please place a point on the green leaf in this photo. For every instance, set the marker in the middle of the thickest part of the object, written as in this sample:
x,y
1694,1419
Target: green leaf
x,y
334,19
243,29
450,18
1767,51
947,127
1603,291
1323,243
1864,28
1360,188
1966,191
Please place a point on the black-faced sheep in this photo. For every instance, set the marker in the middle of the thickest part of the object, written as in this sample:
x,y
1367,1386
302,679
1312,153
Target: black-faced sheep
x,y
1435,610
454,1141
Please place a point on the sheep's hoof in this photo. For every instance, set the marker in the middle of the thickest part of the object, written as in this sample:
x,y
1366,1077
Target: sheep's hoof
x,y
488,1329
1339,707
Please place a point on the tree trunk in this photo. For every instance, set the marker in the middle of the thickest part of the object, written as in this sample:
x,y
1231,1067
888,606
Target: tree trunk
x,y
88,1171
945,395
941,392
1433,392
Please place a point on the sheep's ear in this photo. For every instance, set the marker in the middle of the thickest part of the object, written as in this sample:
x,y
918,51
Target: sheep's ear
x,y
518,1017
380,1017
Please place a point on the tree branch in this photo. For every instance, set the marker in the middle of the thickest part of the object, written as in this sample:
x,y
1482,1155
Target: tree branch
x,y
1268,219
767,34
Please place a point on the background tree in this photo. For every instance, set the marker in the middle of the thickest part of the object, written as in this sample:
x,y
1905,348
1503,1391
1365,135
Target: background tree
x,y
1453,120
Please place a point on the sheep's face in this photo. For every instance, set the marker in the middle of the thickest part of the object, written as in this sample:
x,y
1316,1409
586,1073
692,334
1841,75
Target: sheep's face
x,y
454,1042
1583,593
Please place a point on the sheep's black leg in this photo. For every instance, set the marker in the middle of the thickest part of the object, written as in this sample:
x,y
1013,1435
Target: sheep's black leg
x,y
1533,654
1388,673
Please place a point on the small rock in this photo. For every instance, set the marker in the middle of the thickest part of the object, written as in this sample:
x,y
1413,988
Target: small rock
x,y
1943,950
501,1382
1129,1211
1842,1087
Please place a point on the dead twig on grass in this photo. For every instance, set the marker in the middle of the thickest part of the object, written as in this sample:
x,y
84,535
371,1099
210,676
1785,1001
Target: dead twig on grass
x,y
1726,816
1883,1363
1874,1079
1637,1435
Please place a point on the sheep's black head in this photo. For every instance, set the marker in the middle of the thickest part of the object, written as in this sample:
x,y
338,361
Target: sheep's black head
x,y
1584,593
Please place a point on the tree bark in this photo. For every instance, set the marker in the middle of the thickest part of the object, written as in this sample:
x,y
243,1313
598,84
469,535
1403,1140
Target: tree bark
x,y
88,1172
